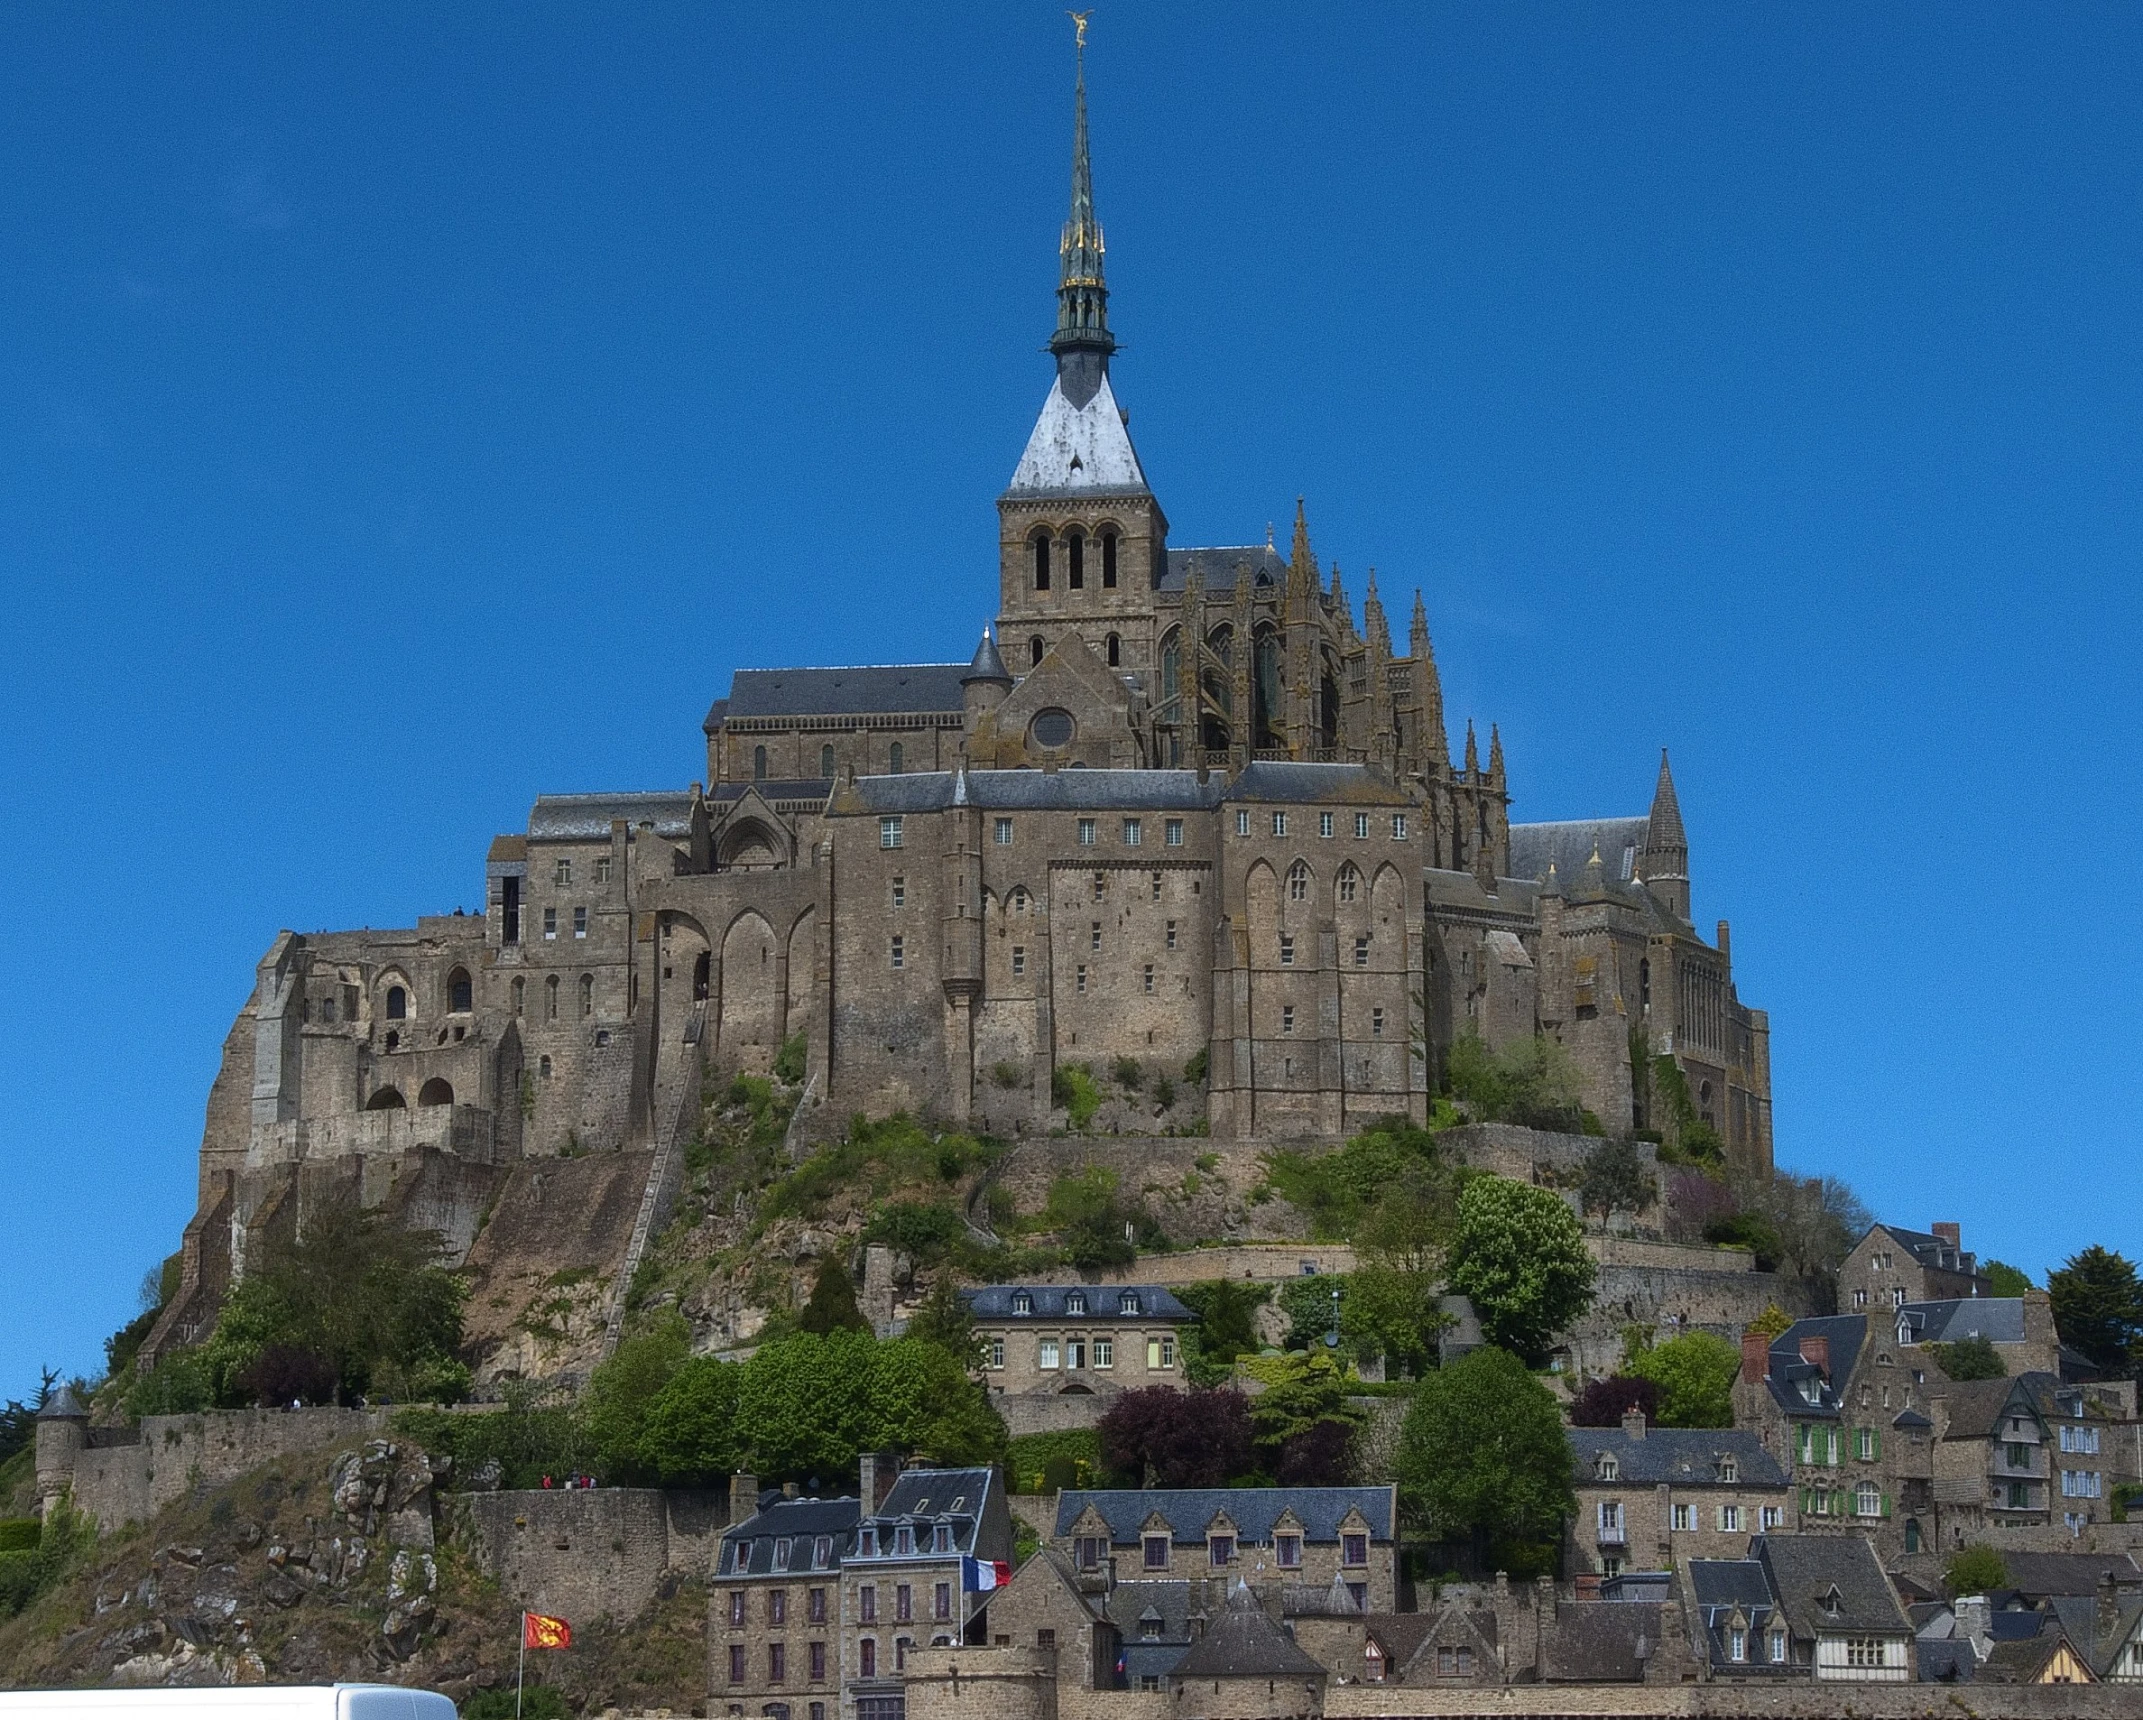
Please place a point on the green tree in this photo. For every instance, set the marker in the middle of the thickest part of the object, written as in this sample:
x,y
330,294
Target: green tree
x,y
690,1436
1227,1327
1532,1082
1975,1570
1311,1387
2098,1308
1520,1255
1973,1358
1096,1224
922,1401
1483,1458
1615,1180
621,1390
947,1321
1695,1375
2005,1280
832,1307
804,1404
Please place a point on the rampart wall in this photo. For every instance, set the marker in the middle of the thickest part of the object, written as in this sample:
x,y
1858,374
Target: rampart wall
x,y
589,1553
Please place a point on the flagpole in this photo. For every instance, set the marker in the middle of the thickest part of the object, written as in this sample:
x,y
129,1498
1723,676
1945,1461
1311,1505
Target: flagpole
x,y
522,1672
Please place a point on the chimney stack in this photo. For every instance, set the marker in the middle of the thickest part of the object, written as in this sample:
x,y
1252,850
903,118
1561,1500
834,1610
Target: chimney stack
x,y
1816,1352
1755,1357
1950,1233
1633,1423
879,1469
743,1497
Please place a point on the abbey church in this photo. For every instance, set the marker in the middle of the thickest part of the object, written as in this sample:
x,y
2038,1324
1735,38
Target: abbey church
x,y
1178,807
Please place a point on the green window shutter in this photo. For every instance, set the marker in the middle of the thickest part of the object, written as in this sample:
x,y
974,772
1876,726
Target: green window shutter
x,y
1875,1438
1801,1433
1886,1505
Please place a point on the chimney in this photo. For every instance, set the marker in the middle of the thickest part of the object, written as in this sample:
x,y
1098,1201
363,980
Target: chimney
x,y
1951,1234
879,1471
1726,940
1755,1357
2109,1611
1816,1352
743,1497
788,1490
1633,1423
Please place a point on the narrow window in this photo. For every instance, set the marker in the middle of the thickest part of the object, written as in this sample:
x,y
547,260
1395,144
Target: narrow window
x,y
1324,824
1279,824
1298,882
1095,935
900,957
1376,1024
1149,976
1173,833
550,998
826,769
1242,823
562,873
1004,833
550,922
1041,572
587,995
1361,826
1086,833
544,1068
897,759
1134,832
1019,961
580,922
1108,564
1034,649
1075,561
1157,886
1171,934
520,994
602,868
511,906
1287,950
460,994
1080,982
1361,952
1349,879
1398,827
1116,651
758,764
900,892
1287,1019
398,1003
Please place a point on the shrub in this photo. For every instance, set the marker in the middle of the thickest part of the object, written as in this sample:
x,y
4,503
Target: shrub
x,y
1072,1089
789,1061
1975,1570
18,1534
531,1702
1973,1358
282,1374
1128,1074
1227,1327
1695,1375
1038,1462
1164,1091
1092,1220
1615,1180
921,1229
1008,1075
1195,1070
28,1572
1533,1083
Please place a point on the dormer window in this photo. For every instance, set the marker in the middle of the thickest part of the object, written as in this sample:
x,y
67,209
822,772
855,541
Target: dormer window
x,y
1149,1625
1605,1468
867,1543
1833,1601
1075,1303
903,1540
781,1553
1127,1303
941,1538
1022,1303
822,1552
1729,1470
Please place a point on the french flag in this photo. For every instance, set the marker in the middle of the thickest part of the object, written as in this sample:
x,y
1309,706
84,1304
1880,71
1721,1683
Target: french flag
x,y
979,1576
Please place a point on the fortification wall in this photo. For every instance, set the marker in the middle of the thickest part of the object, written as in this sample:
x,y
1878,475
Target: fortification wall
x,y
126,1483
1737,1701
1050,1413
589,1553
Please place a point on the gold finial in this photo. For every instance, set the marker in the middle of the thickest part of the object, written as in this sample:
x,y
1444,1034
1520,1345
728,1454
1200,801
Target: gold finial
x,y
1079,24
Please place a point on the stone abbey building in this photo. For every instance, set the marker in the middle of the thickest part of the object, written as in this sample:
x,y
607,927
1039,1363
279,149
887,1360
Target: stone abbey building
x,y
1179,807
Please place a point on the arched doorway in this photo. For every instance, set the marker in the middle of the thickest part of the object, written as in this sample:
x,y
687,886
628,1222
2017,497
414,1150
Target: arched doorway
x,y
386,1099
437,1091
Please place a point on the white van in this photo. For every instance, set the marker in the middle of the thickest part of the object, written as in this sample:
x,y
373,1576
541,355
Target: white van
x,y
237,1702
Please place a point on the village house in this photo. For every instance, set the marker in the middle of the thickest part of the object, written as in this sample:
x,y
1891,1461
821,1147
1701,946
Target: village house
x,y
1891,1266
1077,1339
1649,1497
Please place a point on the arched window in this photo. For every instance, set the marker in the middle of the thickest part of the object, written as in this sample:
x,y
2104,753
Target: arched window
x,y
1034,648
826,759
897,759
550,998
758,764
437,1091
1108,561
520,994
1644,982
1349,881
543,1068
702,976
460,994
1075,561
1298,882
394,1040
1116,651
386,1099
1041,561
1019,898
397,1004
587,994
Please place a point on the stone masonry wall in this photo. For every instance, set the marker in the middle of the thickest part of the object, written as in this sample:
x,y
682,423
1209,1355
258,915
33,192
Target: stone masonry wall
x,y
589,1553
121,1484
1735,1701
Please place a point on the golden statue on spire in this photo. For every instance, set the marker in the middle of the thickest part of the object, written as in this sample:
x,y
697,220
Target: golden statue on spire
x,y
1079,24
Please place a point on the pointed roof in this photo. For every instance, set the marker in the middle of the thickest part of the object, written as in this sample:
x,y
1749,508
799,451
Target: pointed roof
x,y
1301,564
1242,1642
988,665
1077,448
63,1405
1663,825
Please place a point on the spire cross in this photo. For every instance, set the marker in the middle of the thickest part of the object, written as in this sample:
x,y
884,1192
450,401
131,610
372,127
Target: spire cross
x,y
1079,24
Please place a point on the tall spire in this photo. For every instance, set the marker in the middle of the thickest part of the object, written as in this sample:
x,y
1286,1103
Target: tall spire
x,y
1082,342
1301,564
1666,844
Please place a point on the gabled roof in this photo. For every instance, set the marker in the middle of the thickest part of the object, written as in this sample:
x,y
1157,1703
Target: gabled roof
x,y
1680,1456
1049,1301
1078,448
880,689
1930,1250
1949,1660
1570,845
587,817
952,1496
2037,1576
1286,782
748,1547
1253,1510
1844,1333
1998,1319
1804,1569
2101,1647
1977,1408
1599,1642
1242,1642
1724,1591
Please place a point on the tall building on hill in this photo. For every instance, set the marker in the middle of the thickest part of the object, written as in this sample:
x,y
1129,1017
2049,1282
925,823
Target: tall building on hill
x,y
1178,808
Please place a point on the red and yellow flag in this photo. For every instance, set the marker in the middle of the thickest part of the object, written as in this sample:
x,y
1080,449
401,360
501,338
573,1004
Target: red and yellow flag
x,y
539,1630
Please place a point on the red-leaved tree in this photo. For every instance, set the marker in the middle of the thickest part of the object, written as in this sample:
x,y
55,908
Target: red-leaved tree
x,y
1603,1403
1160,1437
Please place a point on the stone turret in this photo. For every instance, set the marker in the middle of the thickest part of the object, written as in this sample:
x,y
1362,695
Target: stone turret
x,y
1666,847
984,686
62,1436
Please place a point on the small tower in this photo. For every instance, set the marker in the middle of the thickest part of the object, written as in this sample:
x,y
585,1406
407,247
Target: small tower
x,y
984,686
1666,847
62,1435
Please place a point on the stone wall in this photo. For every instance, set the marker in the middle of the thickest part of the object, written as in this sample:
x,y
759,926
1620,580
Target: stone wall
x,y
1259,1262
589,1553
130,1482
1731,1701
1048,1412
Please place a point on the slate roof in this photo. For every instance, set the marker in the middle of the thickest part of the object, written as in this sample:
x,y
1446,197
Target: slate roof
x,y
1948,1660
1570,844
1977,1407
1720,1588
950,1496
773,788
1038,791
1242,1642
506,849
1103,1301
1514,897
1216,566
587,817
1253,1510
1297,784
1680,1456
63,1405
1845,1333
748,1548
2079,1619
1596,1642
1998,1319
1078,448
2040,1575
879,689
1805,1568
1927,1248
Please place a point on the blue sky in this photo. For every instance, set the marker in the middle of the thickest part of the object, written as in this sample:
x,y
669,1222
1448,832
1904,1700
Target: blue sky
x,y
404,411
